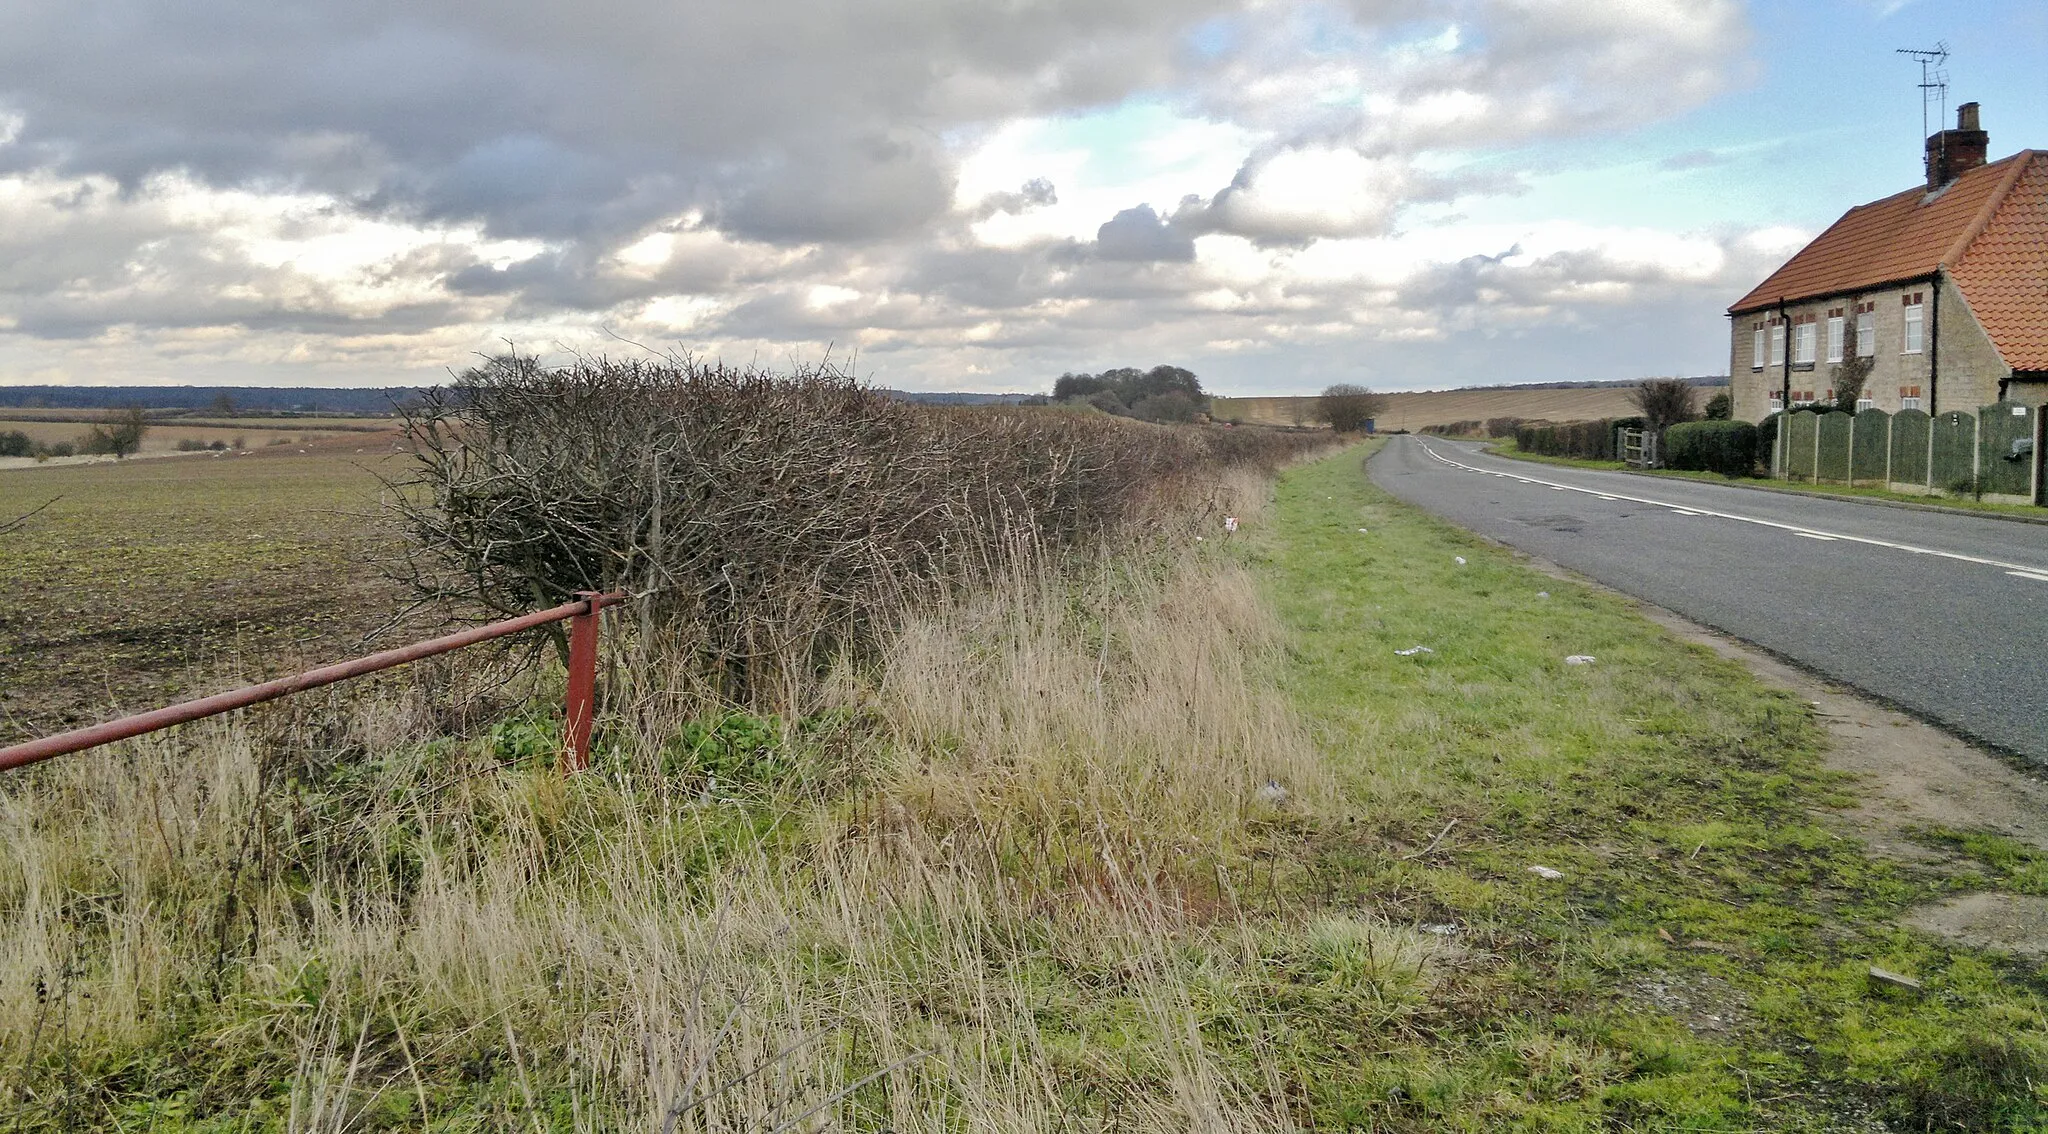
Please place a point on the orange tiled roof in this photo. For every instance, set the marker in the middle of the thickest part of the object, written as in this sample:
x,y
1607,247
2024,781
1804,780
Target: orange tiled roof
x,y
1989,228
2003,272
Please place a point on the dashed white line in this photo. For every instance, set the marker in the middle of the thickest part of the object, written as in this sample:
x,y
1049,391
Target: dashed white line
x,y
2021,569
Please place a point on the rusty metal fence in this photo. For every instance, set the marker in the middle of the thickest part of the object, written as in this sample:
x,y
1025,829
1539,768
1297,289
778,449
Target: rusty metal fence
x,y
582,615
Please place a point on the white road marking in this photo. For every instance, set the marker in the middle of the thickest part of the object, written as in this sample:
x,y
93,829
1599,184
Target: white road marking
x,y
1682,512
1811,533
2037,576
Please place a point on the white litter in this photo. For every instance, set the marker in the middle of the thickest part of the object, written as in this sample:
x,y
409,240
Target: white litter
x,y
1546,873
1413,650
1459,559
1271,793
1440,929
1580,659
1199,539
1361,531
1542,594
1230,523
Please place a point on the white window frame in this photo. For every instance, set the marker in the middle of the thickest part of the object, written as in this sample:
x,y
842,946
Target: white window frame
x,y
1777,398
1866,334
1802,343
1916,328
1909,403
1777,344
1837,326
1756,348
1864,402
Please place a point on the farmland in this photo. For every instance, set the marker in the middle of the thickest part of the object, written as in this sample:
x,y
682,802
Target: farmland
x,y
1414,411
50,427
144,578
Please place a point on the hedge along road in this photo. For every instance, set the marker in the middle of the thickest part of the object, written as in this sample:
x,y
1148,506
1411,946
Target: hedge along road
x,y
1943,615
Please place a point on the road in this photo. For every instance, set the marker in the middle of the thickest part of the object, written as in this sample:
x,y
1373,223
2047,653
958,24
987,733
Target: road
x,y
1943,615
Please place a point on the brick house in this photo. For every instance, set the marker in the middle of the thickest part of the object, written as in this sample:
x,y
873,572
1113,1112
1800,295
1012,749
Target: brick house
x,y
1941,292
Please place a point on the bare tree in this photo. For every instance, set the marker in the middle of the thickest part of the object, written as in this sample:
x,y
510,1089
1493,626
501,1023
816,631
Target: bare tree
x,y
1664,402
1347,407
120,432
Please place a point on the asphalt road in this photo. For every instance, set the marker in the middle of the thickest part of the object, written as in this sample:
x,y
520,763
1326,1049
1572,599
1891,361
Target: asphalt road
x,y
1943,615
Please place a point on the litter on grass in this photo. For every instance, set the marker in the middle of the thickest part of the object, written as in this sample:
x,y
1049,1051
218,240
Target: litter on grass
x,y
1542,594
1271,793
1361,531
1439,929
1459,559
1413,650
1230,523
1580,659
1546,873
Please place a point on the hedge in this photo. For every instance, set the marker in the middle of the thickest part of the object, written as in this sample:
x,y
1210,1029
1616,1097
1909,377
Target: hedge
x,y
1725,447
1587,440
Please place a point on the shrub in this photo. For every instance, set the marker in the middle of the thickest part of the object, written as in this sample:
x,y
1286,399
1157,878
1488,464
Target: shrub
x,y
15,443
1455,429
774,523
1664,402
1503,426
1720,407
1585,440
190,445
1725,447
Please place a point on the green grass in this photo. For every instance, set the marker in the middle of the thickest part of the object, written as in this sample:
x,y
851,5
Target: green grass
x,y
1689,812
1505,447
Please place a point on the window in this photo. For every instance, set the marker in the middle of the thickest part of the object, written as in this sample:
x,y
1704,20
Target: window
x,y
1909,397
1777,343
1916,324
1836,328
1866,331
1864,401
1777,400
1802,342
1756,346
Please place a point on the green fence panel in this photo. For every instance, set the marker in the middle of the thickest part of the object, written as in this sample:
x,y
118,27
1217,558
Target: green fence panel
x,y
1873,441
2001,467
1834,446
1799,433
1954,458
1909,447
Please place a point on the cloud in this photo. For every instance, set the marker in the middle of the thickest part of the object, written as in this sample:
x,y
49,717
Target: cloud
x,y
290,191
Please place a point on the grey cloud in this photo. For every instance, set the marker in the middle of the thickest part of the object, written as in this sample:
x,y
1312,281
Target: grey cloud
x,y
1140,234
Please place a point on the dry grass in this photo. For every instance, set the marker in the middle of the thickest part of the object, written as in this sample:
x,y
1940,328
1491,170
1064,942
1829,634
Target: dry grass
x,y
1002,897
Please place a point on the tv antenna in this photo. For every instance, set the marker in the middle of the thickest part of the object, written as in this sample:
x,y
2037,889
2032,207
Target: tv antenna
x,y
1933,78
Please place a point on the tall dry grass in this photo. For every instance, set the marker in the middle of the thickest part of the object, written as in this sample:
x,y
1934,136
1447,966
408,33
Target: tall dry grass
x,y
1019,912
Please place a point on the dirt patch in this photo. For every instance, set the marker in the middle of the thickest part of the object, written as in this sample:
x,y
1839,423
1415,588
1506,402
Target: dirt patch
x,y
2015,923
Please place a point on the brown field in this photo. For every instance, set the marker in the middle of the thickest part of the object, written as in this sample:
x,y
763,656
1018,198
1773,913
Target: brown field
x,y
1413,411
165,438
147,579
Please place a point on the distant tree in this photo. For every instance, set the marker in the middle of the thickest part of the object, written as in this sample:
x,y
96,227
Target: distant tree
x,y
1346,407
1174,406
15,443
1077,386
119,432
224,403
1664,402
1720,407
1298,411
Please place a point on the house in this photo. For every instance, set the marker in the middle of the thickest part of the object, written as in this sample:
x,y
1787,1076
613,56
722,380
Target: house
x,y
1937,297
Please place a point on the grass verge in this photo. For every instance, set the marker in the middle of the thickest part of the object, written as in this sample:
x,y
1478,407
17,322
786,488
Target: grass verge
x,y
1702,961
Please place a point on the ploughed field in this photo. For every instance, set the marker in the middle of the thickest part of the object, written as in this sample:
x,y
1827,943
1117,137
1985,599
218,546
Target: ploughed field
x,y
146,581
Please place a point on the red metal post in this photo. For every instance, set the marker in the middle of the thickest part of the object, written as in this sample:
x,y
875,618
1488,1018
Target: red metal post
x,y
581,710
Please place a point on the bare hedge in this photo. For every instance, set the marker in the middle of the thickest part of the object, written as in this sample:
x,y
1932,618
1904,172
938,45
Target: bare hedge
x,y
772,522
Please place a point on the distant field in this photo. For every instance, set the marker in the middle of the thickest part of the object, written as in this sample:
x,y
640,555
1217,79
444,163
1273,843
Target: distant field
x,y
84,417
1414,411
145,576
254,434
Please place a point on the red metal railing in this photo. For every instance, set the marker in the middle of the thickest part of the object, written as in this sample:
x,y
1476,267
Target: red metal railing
x,y
583,615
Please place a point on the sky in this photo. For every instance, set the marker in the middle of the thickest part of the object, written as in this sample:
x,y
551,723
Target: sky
x,y
949,194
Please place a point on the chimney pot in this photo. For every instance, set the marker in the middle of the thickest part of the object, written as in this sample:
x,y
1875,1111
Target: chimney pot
x,y
1966,117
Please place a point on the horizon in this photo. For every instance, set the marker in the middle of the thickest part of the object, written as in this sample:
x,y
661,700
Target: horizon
x,y
1277,197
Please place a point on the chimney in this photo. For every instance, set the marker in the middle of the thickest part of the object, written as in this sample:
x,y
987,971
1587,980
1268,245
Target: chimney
x,y
1952,153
